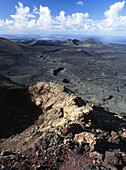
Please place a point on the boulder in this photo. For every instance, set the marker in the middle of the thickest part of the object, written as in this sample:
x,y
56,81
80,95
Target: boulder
x,y
86,138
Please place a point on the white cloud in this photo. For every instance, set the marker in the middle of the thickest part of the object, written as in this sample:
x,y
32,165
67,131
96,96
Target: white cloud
x,y
113,12
40,20
113,20
80,3
74,22
45,20
74,19
22,12
22,19
1,23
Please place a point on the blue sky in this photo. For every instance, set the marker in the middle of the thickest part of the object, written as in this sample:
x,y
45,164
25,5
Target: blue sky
x,y
99,17
96,8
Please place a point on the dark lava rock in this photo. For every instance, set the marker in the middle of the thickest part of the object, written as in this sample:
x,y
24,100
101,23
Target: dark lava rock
x,y
65,80
72,128
57,71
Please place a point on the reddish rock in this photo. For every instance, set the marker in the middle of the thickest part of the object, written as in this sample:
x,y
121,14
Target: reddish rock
x,y
48,142
87,138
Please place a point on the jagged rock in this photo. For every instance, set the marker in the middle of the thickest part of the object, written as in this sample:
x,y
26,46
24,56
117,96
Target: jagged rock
x,y
113,158
86,137
124,134
59,107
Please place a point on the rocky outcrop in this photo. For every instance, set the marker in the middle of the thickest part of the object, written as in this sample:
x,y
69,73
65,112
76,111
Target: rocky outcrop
x,y
58,105
69,133
86,137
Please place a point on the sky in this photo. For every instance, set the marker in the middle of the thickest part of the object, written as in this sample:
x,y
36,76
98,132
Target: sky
x,y
86,17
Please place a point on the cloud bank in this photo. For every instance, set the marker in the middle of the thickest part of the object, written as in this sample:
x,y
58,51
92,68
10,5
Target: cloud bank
x,y
40,20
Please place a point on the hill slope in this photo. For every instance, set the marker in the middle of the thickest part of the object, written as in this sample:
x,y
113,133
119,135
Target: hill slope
x,y
9,46
92,41
58,130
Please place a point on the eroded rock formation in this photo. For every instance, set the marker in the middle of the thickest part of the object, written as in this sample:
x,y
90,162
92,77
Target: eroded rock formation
x,y
69,133
58,105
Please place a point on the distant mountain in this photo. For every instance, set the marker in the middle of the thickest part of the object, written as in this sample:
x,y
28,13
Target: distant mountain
x,y
88,42
9,46
92,41
55,42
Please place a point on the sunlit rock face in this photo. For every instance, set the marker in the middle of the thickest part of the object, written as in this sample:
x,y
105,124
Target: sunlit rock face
x,y
58,105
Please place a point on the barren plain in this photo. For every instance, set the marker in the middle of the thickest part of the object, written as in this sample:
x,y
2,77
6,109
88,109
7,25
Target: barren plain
x,y
92,70
44,125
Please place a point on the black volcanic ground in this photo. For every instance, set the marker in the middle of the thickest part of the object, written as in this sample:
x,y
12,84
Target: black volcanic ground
x,y
93,70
